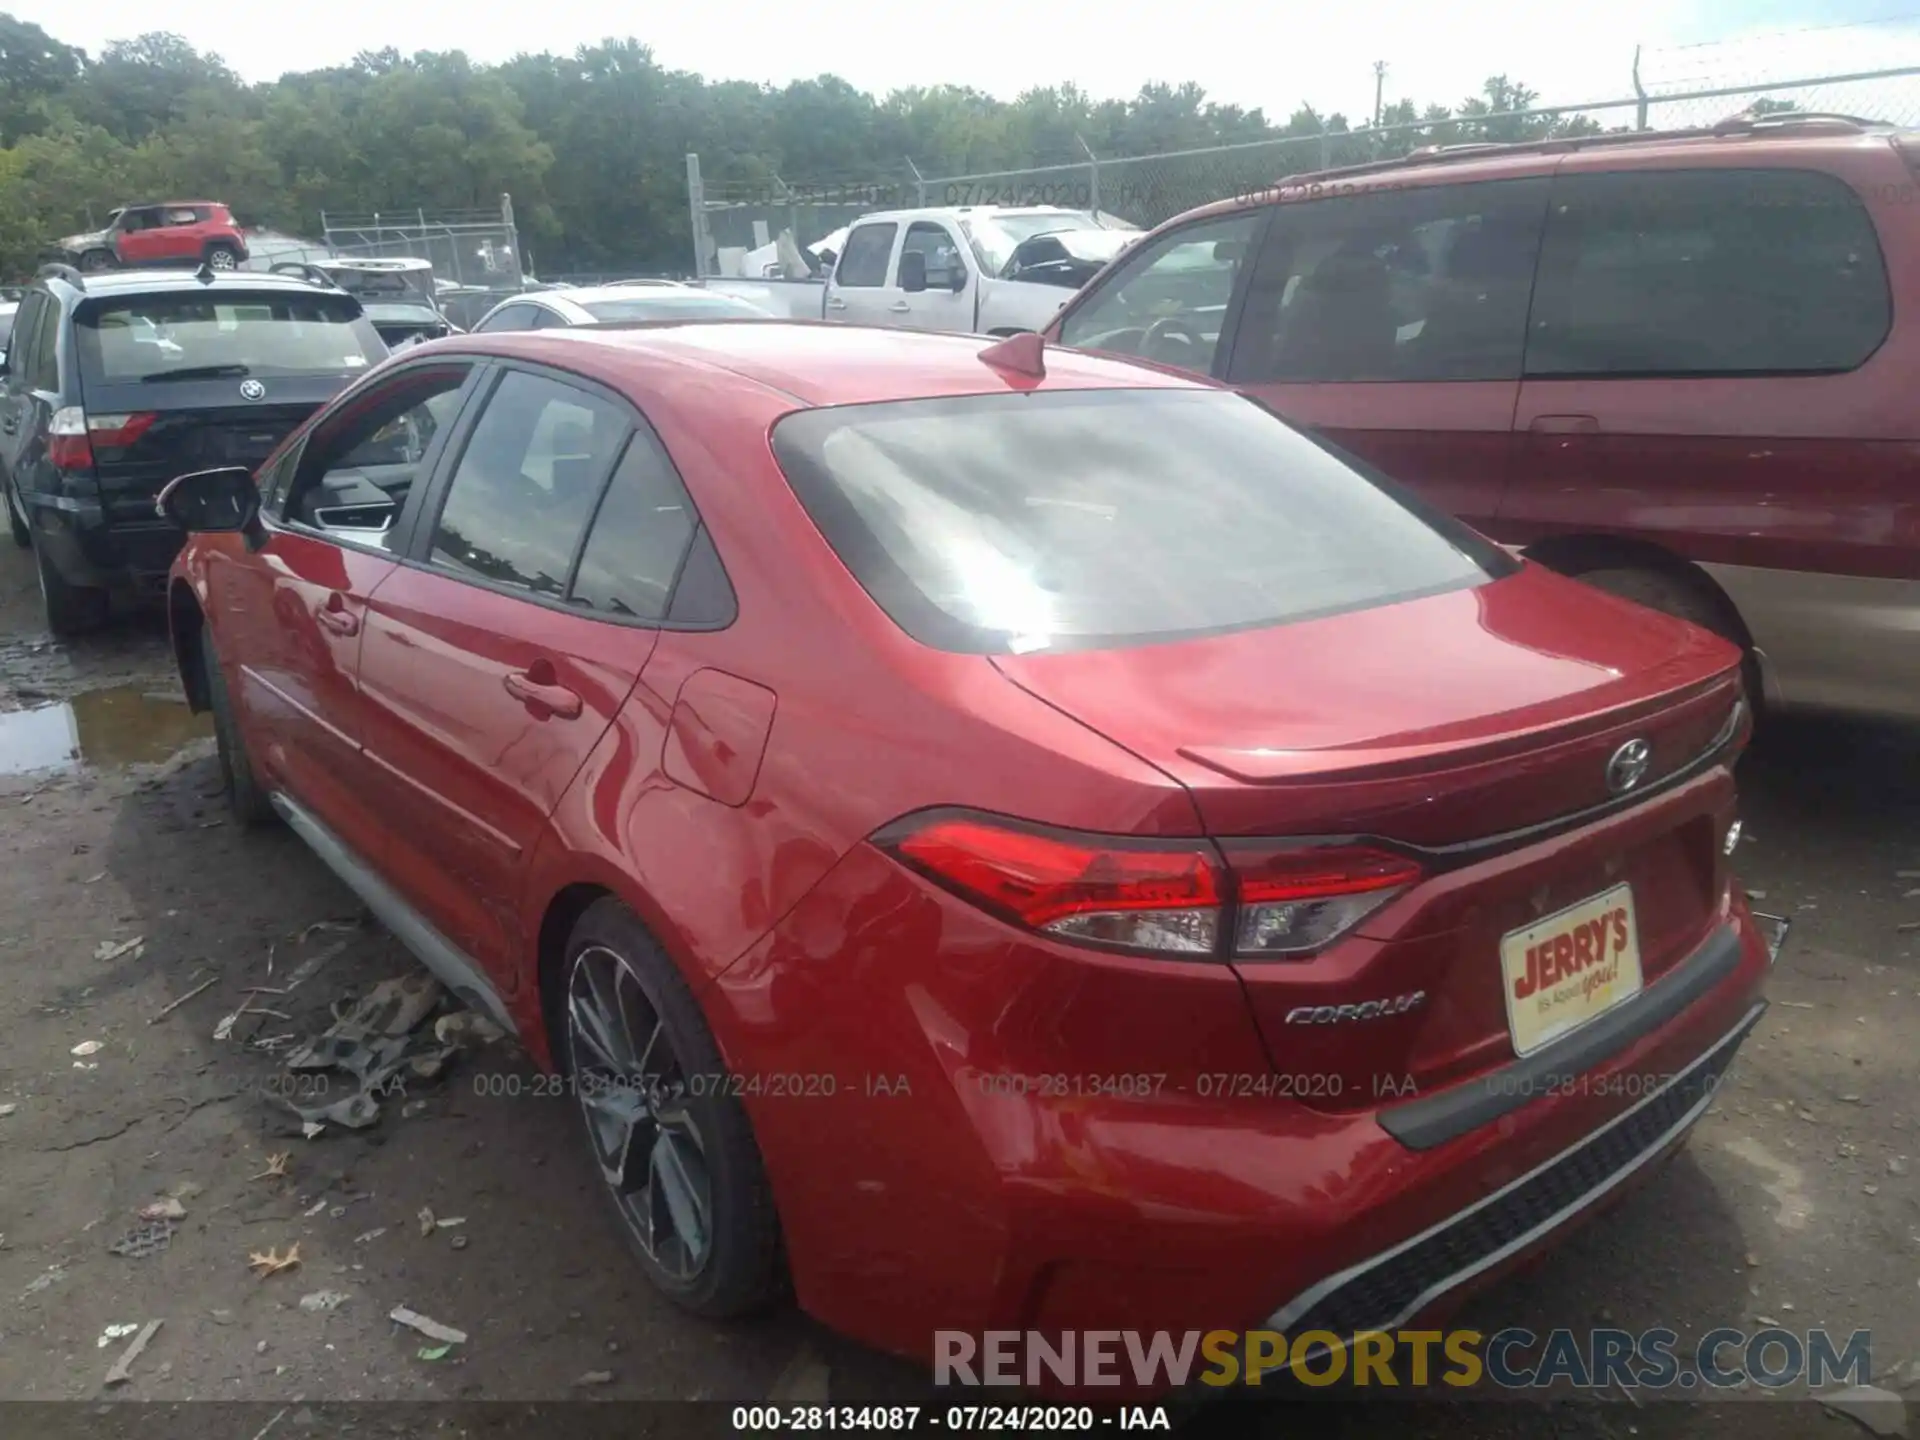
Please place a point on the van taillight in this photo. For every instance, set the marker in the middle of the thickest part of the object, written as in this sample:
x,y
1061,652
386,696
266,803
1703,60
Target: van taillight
x,y
73,433
1272,899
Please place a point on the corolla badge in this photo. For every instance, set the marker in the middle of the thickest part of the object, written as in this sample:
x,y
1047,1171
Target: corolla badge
x,y
252,390
1629,766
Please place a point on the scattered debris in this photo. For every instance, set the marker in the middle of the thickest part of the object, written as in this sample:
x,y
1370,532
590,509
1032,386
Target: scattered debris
x,y
115,1332
7,1109
1797,1004
122,1370
432,1329
466,1025
150,1237
595,1377
459,1242
413,1109
1880,1412
321,1301
169,1208
168,1009
87,1047
375,1044
272,1262
55,1274
315,1208
1753,1260
1896,1165
450,1222
434,1352
370,1235
1756,894
261,1433
427,1221
276,1167
107,950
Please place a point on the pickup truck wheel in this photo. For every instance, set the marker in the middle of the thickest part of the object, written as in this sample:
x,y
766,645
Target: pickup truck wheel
x,y
672,1146
70,609
245,797
222,256
93,261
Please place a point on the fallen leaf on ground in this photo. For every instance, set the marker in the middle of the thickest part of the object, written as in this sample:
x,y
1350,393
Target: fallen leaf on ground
x,y
276,1167
272,1262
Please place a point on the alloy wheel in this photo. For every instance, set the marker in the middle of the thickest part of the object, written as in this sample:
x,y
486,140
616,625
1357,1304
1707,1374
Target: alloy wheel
x,y
633,1093
221,260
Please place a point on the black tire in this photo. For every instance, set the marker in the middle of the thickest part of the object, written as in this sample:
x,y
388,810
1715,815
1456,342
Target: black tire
x,y
22,535
245,797
222,256
741,1270
70,609
94,261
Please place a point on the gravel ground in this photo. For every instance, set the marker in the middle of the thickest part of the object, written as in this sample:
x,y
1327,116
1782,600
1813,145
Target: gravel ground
x,y
1797,1200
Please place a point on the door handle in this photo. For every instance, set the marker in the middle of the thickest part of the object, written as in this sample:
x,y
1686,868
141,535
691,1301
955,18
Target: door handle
x,y
554,699
1564,425
333,616
834,302
900,307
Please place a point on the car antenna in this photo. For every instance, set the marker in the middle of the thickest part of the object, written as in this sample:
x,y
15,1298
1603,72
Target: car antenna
x,y
1022,354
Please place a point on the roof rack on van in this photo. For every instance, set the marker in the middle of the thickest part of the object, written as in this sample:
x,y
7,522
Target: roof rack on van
x,y
1744,124
56,271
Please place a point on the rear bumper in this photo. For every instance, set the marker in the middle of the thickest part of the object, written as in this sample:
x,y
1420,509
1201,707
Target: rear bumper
x,y
88,552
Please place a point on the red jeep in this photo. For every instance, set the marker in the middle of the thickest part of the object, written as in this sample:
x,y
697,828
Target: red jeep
x,y
176,232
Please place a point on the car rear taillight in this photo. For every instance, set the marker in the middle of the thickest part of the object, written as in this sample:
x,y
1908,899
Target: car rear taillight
x,y
72,434
1177,897
1295,899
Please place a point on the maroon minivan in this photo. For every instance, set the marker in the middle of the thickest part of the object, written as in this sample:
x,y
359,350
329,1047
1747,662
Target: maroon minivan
x,y
1680,366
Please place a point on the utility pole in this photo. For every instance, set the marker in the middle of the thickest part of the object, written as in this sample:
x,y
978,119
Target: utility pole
x,y
1379,89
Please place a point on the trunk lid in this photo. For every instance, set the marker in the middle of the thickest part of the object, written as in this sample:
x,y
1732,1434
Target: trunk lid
x,y
1452,724
176,426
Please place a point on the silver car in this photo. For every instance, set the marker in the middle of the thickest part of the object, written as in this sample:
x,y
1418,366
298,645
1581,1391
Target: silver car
x,y
604,304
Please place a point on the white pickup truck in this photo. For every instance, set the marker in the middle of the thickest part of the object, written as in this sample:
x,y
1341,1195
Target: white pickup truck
x,y
984,269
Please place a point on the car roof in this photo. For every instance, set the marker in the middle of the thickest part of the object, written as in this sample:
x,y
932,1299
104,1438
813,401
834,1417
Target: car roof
x,y
372,263
637,294
158,204
1805,136
963,212
812,362
148,282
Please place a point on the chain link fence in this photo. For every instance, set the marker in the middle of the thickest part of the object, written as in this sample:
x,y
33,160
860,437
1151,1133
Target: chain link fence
x,y
733,219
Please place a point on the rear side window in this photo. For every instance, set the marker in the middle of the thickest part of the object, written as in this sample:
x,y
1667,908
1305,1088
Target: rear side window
x,y
527,482
189,335
864,261
1412,285
1086,519
639,537
1707,272
511,317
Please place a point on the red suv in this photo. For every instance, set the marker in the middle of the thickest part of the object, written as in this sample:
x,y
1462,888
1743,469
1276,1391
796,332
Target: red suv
x,y
1672,365
959,869
179,232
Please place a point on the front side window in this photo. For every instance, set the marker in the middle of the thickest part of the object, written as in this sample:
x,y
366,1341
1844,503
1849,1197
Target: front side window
x,y
1707,272
869,250
189,336
1169,303
43,363
527,483
1412,285
938,251
352,473
1086,519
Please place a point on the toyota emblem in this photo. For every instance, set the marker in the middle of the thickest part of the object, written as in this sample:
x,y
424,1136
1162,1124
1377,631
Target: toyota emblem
x,y
1629,766
252,390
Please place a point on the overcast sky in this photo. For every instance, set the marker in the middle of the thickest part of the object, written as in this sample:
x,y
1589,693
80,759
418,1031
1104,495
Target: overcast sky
x,y
1252,52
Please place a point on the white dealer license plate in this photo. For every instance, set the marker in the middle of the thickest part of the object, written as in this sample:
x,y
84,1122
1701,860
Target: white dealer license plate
x,y
1564,970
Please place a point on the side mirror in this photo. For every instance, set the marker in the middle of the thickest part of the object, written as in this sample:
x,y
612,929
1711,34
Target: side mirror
x,y
913,272
213,502
957,277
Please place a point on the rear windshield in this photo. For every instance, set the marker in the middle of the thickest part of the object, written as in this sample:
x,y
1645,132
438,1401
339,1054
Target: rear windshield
x,y
154,337
670,306
1064,520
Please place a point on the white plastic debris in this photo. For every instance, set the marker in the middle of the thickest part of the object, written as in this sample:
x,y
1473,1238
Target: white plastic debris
x,y
321,1301
432,1329
87,1047
115,1332
108,950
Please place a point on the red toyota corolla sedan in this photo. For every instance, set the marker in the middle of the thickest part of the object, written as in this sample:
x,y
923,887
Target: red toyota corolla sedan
x,y
998,837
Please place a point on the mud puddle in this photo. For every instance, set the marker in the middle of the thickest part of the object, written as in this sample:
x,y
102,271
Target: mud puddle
x,y
120,725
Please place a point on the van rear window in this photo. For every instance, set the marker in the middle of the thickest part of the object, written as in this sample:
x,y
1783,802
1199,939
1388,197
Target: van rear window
x,y
1087,519
155,337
